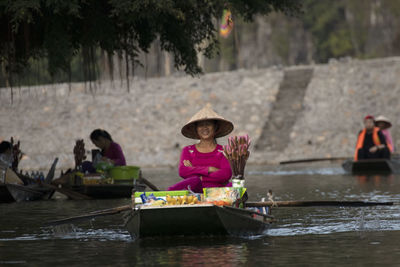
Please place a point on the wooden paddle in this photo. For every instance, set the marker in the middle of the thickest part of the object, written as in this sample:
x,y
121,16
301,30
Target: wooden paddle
x,y
312,160
67,192
317,204
50,174
90,215
149,184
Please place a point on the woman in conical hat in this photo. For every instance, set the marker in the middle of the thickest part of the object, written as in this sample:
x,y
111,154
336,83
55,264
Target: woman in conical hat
x,y
204,164
384,124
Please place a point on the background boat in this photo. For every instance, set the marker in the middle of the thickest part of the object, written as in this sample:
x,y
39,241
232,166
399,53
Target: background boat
x,y
372,166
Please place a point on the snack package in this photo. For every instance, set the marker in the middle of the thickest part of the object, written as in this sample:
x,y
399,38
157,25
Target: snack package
x,y
159,195
221,196
152,200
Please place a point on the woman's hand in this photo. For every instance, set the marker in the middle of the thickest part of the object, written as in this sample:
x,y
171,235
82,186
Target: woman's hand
x,y
373,149
105,159
212,169
187,163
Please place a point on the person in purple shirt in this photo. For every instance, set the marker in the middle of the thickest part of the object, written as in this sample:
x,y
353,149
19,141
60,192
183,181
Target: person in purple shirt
x,y
110,151
204,164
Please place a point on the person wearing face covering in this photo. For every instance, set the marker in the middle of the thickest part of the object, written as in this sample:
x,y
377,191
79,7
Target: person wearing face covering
x,y
204,164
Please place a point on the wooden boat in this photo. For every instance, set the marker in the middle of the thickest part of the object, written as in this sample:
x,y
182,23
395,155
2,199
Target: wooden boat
x,y
372,166
29,192
5,195
194,220
104,191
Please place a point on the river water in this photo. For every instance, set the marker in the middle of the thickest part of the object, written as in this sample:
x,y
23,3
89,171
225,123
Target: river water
x,y
314,236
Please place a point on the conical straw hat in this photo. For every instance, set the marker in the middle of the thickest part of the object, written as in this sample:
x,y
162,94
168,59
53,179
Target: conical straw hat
x,y
383,119
224,127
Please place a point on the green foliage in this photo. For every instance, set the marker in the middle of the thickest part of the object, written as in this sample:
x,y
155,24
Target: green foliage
x,y
58,30
327,23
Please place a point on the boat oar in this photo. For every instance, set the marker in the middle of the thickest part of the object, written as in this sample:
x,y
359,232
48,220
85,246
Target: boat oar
x,y
149,184
317,204
67,192
50,174
90,215
312,160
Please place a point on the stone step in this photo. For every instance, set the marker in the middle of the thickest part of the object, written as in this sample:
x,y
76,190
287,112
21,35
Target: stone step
x,y
288,106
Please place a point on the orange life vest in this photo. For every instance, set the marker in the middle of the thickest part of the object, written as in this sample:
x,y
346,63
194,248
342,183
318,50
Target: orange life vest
x,y
361,137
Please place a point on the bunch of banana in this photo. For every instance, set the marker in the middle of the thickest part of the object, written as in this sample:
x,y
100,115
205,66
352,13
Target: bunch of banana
x,y
170,200
158,203
181,200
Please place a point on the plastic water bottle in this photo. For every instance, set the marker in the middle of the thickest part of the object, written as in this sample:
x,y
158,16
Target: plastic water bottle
x,y
41,177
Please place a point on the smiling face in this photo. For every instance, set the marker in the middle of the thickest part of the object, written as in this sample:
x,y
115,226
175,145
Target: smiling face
x,y
206,129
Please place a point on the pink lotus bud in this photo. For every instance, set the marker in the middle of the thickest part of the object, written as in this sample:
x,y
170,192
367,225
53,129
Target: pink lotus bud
x,y
231,142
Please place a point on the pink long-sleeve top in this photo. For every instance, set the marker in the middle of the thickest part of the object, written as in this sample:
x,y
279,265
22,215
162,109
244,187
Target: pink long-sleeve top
x,y
388,138
114,152
201,162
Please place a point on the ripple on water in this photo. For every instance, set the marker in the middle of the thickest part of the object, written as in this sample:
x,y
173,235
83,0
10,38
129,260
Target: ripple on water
x,y
72,232
317,171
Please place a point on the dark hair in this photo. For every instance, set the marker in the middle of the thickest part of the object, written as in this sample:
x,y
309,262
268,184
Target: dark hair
x,y
100,133
4,146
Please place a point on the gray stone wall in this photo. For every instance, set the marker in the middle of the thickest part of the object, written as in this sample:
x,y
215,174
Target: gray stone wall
x,y
147,121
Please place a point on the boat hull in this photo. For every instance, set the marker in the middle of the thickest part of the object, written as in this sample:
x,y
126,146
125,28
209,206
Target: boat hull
x,y
5,196
28,192
192,220
371,166
105,191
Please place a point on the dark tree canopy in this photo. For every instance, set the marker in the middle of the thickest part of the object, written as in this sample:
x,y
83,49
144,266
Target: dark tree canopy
x,y
57,30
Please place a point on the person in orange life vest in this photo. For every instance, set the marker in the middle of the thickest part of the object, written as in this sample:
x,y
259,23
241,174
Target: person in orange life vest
x,y
371,143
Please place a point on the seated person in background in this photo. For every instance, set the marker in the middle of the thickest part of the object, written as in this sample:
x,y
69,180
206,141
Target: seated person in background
x,y
384,124
371,143
204,164
111,152
7,175
6,156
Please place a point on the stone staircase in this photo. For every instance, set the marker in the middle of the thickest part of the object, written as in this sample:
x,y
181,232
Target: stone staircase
x,y
275,134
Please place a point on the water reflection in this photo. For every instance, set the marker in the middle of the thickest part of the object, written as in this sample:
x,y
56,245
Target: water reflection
x,y
314,235
375,180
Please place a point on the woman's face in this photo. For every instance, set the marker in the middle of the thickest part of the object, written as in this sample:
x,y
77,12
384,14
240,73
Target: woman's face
x,y
206,129
100,143
381,125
